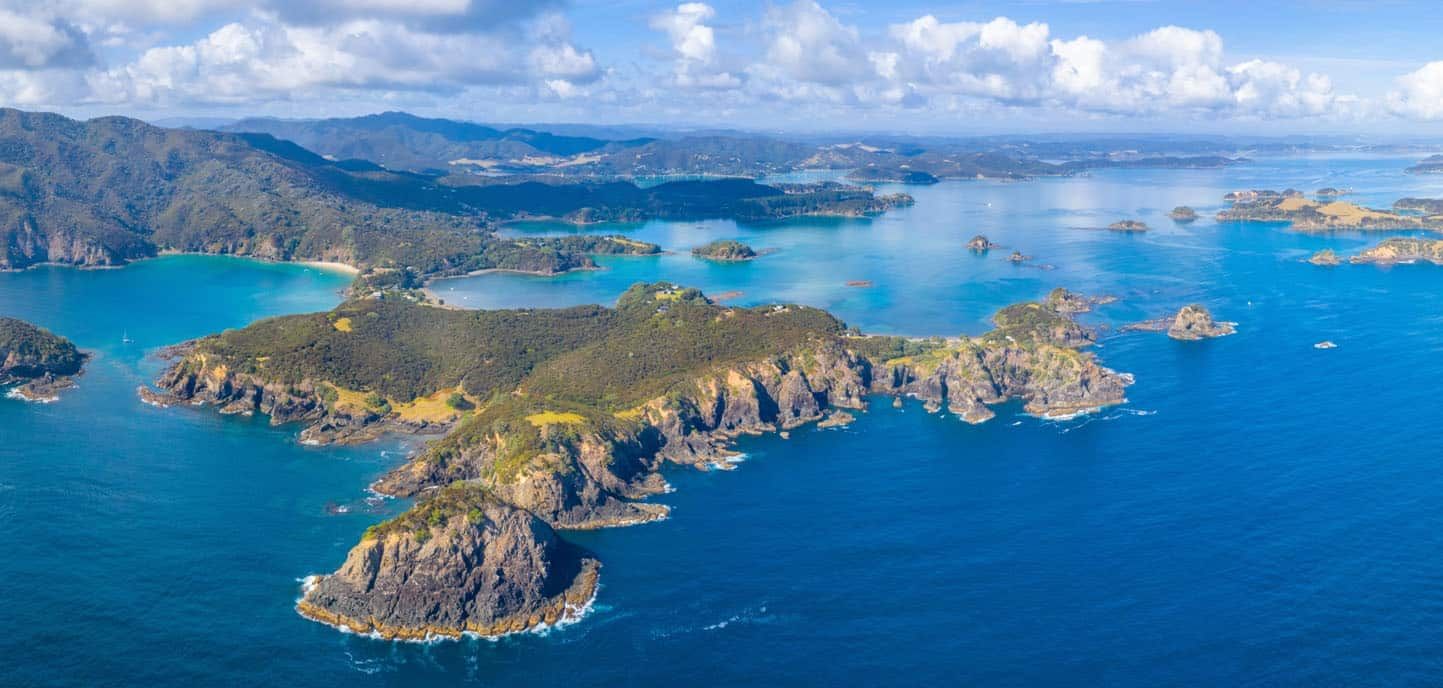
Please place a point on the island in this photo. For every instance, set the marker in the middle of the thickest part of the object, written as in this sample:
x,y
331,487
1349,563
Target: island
x,y
1192,322
1432,164
1018,257
1402,250
980,244
1325,258
35,363
568,416
1070,302
1183,214
1306,215
892,175
1331,192
725,250
1128,226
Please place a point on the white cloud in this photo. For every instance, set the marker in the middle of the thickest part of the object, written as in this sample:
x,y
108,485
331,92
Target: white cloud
x,y
809,45
36,39
693,44
1419,94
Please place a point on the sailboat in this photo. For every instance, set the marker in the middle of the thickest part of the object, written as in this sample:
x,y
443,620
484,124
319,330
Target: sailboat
x,y
125,338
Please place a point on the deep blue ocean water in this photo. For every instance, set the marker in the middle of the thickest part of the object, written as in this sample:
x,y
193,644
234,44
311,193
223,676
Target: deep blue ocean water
x,y
1260,512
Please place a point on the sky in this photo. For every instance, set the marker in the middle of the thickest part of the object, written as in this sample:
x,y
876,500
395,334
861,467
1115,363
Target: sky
x,y
899,66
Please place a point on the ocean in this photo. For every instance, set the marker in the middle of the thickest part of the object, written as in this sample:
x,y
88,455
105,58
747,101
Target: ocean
x,y
1259,513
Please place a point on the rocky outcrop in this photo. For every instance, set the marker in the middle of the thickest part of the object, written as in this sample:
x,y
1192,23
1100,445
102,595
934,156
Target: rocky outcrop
x,y
35,363
1326,258
980,244
1195,322
1128,226
1018,257
1192,322
460,562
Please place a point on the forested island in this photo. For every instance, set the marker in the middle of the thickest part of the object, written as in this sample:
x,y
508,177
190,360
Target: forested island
x,y
725,250
560,419
35,363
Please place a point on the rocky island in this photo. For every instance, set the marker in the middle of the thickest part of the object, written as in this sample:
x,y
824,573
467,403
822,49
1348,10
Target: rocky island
x,y
1306,215
569,414
1128,226
980,244
725,250
1326,258
1192,322
35,363
1183,214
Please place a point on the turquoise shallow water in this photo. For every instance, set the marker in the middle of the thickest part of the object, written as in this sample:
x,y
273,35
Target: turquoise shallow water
x,y
1260,513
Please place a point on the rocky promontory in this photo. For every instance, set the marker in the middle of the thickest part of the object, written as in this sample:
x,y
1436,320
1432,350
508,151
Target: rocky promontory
x,y
461,562
725,250
570,416
35,363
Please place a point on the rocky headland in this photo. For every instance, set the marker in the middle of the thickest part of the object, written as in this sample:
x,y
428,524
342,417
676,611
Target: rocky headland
x,y
572,414
36,364
1432,164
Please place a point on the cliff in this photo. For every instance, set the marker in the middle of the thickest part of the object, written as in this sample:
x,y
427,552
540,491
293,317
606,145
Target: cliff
x,y
35,362
577,410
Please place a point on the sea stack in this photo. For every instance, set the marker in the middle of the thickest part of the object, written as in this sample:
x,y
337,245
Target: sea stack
x,y
980,244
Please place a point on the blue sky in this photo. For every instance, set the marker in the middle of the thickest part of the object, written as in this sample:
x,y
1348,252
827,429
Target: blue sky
x,y
909,66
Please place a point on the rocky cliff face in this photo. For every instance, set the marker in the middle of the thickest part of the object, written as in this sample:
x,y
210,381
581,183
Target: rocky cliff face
x,y
461,562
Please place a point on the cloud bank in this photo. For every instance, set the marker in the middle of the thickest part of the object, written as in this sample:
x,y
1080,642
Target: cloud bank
x,y
796,57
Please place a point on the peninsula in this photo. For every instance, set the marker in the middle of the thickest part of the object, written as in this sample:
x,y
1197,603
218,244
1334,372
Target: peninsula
x,y
560,419
36,364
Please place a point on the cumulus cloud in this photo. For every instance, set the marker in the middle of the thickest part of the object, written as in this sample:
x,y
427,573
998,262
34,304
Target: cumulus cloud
x,y
693,43
265,57
1419,94
36,39
812,55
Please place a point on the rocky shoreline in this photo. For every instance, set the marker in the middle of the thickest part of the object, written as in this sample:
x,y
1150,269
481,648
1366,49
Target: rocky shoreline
x,y
570,468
